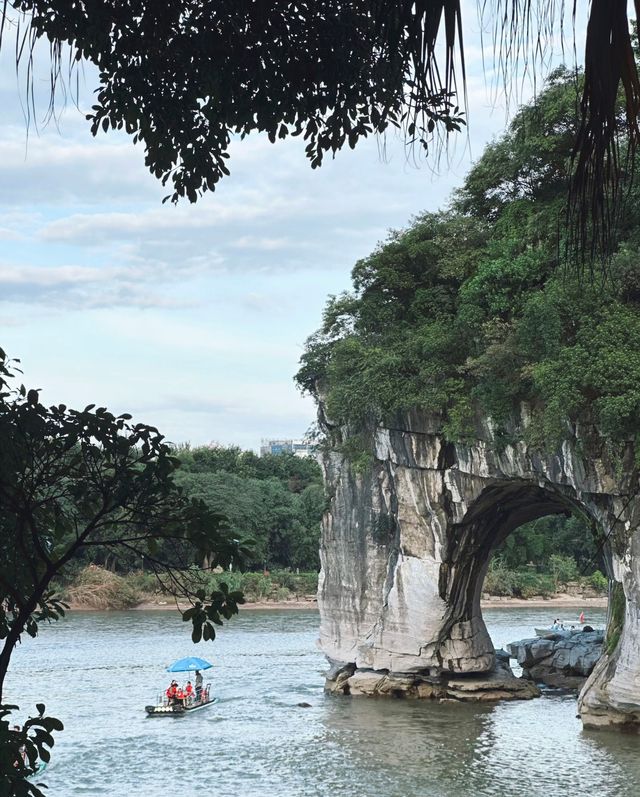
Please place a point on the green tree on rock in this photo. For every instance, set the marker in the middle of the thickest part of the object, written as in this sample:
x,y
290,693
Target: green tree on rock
x,y
468,308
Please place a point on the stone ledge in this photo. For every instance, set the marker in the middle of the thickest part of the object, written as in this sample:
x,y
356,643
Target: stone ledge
x,y
498,685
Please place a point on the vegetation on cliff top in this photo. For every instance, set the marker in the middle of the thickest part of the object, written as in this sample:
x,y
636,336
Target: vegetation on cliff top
x,y
468,307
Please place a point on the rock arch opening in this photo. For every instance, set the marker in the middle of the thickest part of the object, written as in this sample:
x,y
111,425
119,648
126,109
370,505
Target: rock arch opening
x,y
500,510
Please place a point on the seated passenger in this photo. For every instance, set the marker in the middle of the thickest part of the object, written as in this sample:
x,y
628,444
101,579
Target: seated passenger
x,y
188,692
171,692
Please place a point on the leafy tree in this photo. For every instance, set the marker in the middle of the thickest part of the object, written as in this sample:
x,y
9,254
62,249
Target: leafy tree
x,y
277,500
184,76
552,536
71,480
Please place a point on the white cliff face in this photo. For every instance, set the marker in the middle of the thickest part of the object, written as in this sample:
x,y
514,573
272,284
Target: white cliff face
x,y
405,547
611,696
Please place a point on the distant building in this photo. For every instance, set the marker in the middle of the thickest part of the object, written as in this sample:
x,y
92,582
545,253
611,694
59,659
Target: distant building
x,y
300,448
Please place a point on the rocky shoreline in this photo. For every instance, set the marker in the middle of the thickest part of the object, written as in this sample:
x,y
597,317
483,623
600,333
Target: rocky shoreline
x,y
563,659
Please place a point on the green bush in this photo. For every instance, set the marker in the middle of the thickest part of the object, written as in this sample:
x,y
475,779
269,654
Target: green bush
x,y
599,582
307,583
256,586
232,579
143,582
298,583
500,580
563,569
282,594
529,583
285,579
522,583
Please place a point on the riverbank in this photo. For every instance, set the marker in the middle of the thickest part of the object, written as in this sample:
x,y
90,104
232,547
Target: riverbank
x,y
96,589
310,603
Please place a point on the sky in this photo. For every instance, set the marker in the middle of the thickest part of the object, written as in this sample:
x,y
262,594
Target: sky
x,y
193,317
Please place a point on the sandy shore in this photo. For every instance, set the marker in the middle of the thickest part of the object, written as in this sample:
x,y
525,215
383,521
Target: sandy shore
x,y
559,601
285,605
310,604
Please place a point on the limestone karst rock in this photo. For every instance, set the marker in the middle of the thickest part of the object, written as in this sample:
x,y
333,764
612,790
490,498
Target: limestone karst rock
x,y
407,541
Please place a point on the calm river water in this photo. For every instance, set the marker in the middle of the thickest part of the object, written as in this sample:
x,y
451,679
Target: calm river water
x,y
96,671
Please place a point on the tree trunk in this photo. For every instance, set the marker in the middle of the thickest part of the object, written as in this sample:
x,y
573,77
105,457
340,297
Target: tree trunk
x,y
10,642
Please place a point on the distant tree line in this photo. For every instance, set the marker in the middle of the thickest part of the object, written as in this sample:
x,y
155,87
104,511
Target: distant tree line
x,y
544,556
273,503
276,500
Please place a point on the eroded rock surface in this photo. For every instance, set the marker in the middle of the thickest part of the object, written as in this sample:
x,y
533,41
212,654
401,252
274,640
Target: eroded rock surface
x,y
406,543
500,684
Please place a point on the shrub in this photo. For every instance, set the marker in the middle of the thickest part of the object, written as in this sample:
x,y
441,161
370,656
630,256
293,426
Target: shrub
x,y
143,582
256,586
298,583
500,580
599,582
529,583
307,584
563,569
282,594
233,580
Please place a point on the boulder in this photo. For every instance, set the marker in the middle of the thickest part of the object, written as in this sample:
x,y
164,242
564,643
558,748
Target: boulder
x,y
564,659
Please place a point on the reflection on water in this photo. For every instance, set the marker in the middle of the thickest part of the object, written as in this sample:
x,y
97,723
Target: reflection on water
x,y
97,671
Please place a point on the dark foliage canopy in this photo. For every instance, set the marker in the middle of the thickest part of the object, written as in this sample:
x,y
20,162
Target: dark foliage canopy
x,y
183,76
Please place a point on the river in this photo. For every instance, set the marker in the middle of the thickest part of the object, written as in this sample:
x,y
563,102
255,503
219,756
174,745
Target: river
x,y
97,671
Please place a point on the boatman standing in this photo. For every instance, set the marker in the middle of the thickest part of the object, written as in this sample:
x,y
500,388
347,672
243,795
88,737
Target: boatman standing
x,y
198,685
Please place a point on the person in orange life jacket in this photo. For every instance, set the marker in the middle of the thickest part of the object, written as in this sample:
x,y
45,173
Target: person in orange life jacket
x,y
171,691
188,692
179,698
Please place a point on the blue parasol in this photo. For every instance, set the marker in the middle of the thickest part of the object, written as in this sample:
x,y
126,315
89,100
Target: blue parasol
x,y
188,664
